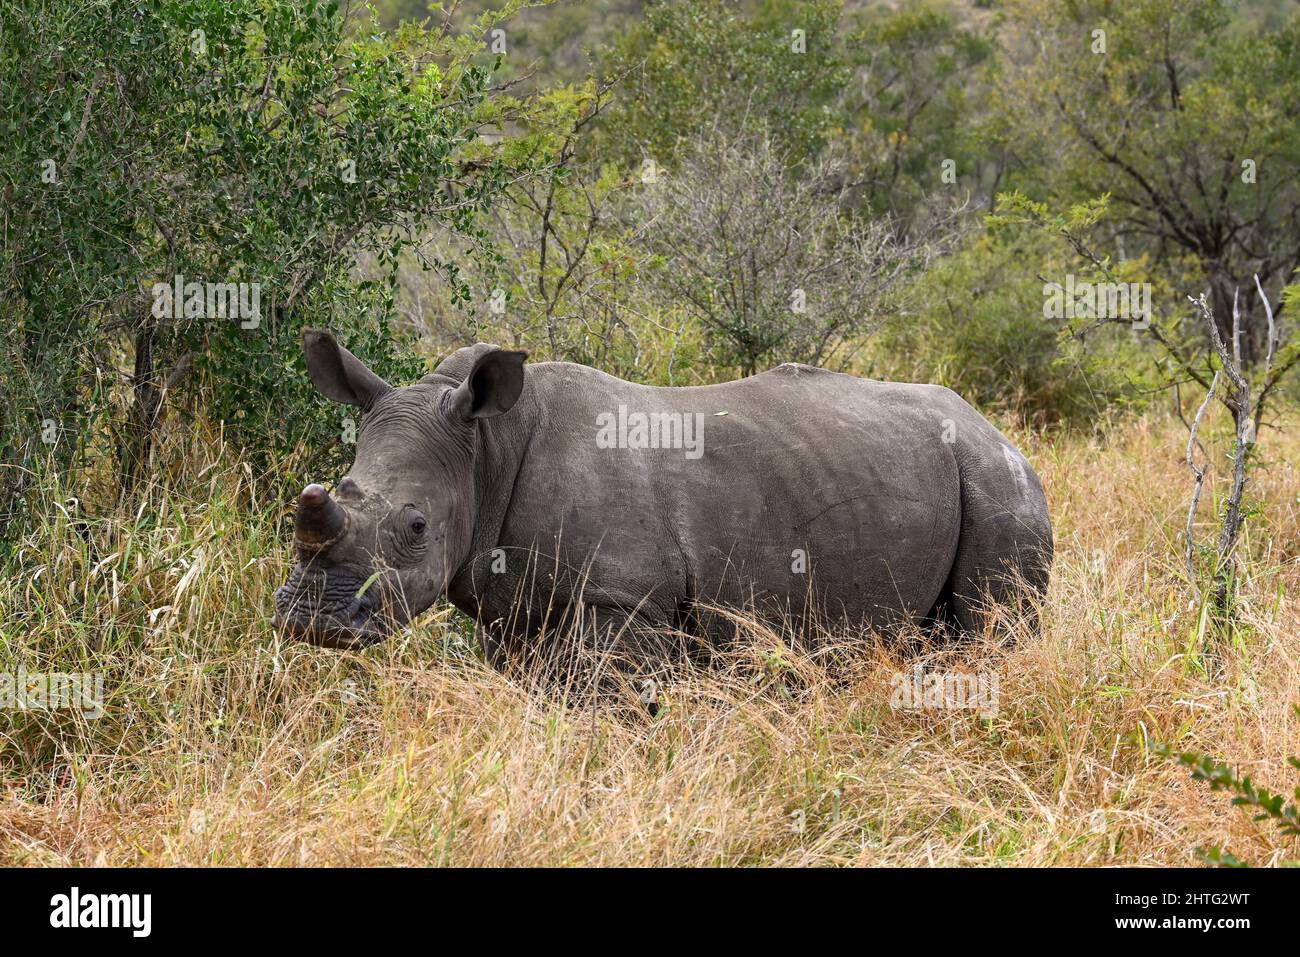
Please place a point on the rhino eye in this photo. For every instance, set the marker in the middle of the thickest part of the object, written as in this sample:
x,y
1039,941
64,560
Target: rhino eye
x,y
409,530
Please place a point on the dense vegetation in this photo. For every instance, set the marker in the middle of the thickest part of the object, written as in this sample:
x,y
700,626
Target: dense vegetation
x,y
633,206
677,192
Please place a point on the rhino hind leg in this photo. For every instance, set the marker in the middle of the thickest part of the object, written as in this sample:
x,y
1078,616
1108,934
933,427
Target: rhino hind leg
x,y
1004,552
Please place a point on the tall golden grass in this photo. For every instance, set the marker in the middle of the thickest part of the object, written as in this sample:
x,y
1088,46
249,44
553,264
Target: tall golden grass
x,y
222,745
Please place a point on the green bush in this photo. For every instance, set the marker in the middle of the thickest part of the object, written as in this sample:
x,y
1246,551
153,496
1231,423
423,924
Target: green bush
x,y
262,142
1267,805
691,66
977,326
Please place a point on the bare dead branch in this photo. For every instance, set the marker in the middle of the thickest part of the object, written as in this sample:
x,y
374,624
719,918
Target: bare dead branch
x,y
1199,475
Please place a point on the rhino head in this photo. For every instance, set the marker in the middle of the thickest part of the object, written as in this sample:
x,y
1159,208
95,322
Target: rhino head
x,y
383,547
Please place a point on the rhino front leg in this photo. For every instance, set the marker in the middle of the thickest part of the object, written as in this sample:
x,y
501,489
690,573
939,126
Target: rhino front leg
x,y
585,649
616,654
495,646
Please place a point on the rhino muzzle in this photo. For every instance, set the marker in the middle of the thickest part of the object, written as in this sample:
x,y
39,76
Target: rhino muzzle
x,y
323,608
324,602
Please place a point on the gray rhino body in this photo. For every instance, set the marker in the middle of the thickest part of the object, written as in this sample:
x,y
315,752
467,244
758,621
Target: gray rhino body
x,y
533,499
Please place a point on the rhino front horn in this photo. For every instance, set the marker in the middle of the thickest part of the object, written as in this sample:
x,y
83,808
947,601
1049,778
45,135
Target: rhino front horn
x,y
320,521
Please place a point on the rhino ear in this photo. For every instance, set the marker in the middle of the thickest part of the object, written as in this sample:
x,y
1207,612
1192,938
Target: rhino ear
x,y
492,386
337,373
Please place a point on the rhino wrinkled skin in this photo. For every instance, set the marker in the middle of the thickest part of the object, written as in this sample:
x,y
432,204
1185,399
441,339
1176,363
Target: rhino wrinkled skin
x,y
800,491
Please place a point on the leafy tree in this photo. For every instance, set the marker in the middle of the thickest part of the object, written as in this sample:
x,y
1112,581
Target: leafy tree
x,y
219,141
558,269
774,65
764,260
893,89
977,324
910,114
1186,122
1245,391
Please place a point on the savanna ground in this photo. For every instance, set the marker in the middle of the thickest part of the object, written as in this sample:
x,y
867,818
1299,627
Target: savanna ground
x,y
220,744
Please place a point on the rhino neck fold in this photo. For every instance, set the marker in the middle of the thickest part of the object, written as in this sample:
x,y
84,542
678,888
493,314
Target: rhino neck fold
x,y
501,446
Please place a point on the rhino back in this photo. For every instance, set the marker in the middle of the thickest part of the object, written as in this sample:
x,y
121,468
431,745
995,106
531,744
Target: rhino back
x,y
806,479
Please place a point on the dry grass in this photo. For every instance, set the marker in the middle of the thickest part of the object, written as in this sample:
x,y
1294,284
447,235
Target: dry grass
x,y
221,745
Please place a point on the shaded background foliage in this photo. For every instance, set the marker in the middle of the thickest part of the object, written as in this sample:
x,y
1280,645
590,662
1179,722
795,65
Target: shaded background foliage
x,y
416,176
257,142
